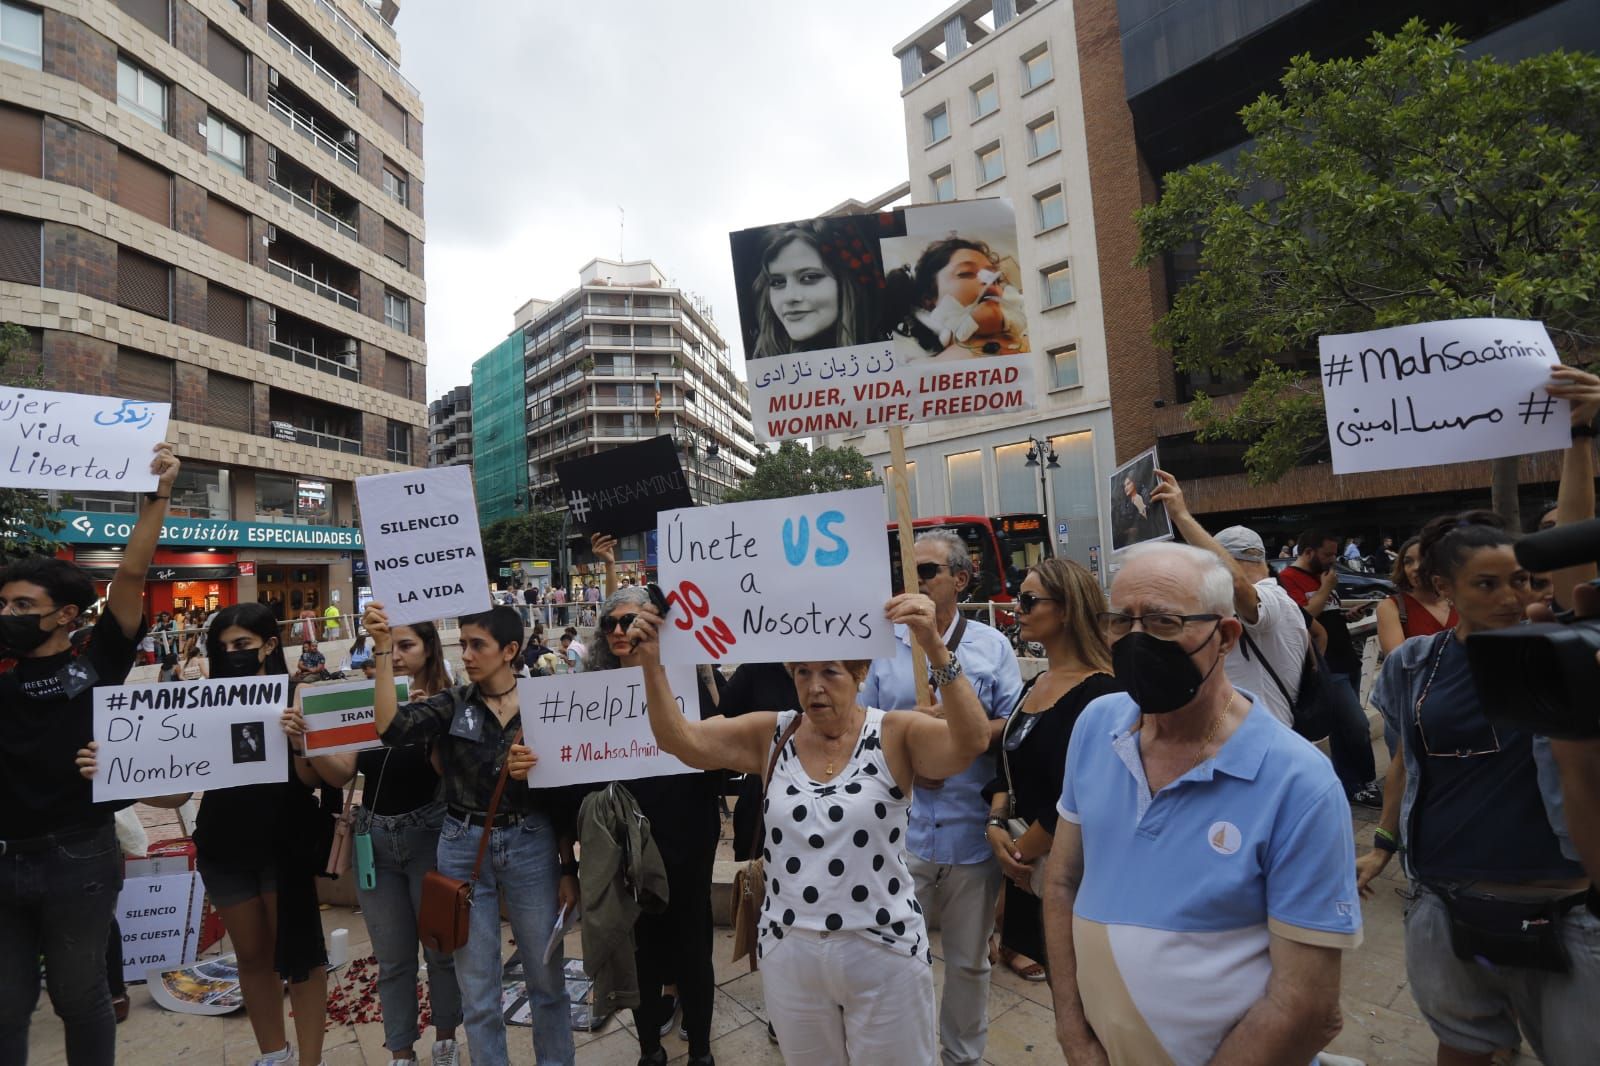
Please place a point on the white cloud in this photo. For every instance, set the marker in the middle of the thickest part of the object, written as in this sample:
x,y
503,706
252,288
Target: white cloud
x,y
697,117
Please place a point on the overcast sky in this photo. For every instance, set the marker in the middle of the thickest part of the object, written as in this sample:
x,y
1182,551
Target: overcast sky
x,y
697,117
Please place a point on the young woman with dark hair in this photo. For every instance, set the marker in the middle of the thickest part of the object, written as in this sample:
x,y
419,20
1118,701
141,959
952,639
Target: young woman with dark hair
x,y
807,297
1415,609
957,296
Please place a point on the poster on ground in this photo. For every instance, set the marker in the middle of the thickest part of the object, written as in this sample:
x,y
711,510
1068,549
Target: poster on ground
x,y
1440,392
885,319
340,717
189,736
72,442
156,918
595,726
210,987
1135,517
423,549
776,580
621,490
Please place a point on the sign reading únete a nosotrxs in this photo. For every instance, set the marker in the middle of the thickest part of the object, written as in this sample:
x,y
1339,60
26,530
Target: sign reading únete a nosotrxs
x,y
422,544
64,440
595,726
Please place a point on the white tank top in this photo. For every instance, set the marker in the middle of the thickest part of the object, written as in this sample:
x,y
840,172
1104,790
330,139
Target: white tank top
x,y
835,852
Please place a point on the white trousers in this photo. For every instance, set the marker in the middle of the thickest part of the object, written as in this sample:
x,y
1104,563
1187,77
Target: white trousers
x,y
840,998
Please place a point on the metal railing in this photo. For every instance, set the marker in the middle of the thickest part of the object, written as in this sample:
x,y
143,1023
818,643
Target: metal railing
x,y
308,128
305,57
306,281
327,218
307,358
360,38
348,445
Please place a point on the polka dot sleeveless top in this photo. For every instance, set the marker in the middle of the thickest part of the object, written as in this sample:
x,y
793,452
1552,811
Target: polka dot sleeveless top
x,y
835,852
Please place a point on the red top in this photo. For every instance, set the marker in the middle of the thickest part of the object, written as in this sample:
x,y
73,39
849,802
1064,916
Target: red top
x,y
1300,584
1419,621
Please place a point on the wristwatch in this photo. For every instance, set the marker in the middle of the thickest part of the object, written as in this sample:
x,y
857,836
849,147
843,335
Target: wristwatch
x,y
996,823
946,674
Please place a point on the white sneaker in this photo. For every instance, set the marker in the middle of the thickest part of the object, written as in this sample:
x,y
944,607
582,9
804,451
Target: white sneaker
x,y
444,1053
286,1057
1325,1059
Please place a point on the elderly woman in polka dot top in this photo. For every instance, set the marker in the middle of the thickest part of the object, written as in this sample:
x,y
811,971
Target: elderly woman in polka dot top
x,y
843,943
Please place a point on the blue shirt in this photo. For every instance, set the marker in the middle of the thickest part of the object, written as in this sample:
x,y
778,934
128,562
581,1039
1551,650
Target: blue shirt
x,y
1182,890
947,823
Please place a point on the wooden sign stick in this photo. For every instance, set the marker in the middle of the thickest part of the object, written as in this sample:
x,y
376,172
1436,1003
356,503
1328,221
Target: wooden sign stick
x,y
908,561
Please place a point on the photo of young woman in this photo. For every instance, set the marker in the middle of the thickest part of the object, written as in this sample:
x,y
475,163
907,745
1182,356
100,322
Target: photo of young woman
x,y
954,296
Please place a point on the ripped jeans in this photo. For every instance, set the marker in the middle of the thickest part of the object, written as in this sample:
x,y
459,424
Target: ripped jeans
x,y
57,902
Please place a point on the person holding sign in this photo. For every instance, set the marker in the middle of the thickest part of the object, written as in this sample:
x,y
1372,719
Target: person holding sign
x,y
63,869
842,938
474,730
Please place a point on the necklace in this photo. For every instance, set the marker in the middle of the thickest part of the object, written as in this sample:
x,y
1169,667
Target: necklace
x,y
1216,723
826,740
498,695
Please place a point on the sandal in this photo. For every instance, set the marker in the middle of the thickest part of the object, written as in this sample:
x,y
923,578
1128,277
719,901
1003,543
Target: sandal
x,y
1031,972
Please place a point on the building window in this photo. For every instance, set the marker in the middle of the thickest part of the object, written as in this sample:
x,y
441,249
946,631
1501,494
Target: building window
x,y
399,442
227,314
225,59
230,402
144,284
142,376
1036,68
1050,209
225,143
1057,285
144,188
152,14
396,375
287,499
396,243
200,492
21,250
1016,483
1044,137
985,98
938,121
394,184
911,489
21,141
944,185
1073,497
964,477
396,311
21,35
991,164
1064,367
140,92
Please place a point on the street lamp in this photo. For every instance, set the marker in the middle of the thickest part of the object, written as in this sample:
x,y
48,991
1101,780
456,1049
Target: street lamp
x,y
1039,448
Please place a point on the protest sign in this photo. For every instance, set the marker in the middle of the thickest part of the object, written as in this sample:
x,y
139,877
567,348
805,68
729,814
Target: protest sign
x,y
621,491
422,543
1135,517
64,440
903,316
1440,392
339,716
210,987
189,736
595,726
777,580
155,915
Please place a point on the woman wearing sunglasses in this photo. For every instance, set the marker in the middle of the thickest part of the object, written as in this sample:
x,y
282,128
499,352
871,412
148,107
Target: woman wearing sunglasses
x,y
1498,933
1059,604
675,945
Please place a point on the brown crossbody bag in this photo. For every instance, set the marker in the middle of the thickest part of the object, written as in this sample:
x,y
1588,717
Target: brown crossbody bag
x,y
749,881
445,916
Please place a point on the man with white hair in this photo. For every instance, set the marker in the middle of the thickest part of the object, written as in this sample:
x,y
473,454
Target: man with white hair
x,y
956,875
1199,891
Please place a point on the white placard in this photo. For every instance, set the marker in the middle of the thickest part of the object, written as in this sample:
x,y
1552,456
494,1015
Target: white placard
x,y
1440,392
595,726
801,578
64,440
423,550
154,915
189,736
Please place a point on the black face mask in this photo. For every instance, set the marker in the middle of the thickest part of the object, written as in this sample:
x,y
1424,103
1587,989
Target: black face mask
x,y
23,632
1158,674
246,662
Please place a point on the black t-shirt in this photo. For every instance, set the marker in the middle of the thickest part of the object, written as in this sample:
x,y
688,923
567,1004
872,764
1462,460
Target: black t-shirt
x,y
42,728
1039,763
758,687
397,780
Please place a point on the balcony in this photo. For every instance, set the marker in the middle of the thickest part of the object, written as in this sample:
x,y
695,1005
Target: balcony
x,y
312,195
299,263
350,30
314,423
330,65
295,110
306,281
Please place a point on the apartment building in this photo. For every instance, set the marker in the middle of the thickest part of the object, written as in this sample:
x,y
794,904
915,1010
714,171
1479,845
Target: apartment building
x,y
218,204
450,428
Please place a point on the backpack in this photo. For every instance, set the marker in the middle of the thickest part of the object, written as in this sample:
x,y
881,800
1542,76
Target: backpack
x,y
1310,687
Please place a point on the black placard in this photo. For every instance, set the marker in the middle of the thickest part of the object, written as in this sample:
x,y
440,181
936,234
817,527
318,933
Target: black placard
x,y
620,491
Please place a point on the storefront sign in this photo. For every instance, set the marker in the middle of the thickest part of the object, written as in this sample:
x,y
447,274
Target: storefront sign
x,y
423,544
66,441
94,527
595,726
247,568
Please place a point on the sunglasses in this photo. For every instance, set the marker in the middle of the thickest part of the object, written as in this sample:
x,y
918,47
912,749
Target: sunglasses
x,y
608,623
1028,601
929,571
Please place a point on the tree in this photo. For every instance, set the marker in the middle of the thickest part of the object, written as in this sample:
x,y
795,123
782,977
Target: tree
x,y
1407,185
522,536
26,516
794,471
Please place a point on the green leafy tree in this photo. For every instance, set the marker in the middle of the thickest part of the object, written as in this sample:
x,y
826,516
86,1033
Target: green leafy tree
x,y
794,471
26,517
523,536
1411,184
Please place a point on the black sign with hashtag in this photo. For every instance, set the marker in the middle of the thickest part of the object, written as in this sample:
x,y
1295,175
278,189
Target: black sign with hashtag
x,y
621,491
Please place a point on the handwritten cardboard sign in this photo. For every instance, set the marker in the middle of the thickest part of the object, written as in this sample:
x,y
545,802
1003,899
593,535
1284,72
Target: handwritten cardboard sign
x,y
776,580
423,548
904,316
340,717
620,491
595,726
1440,392
63,440
189,736
159,923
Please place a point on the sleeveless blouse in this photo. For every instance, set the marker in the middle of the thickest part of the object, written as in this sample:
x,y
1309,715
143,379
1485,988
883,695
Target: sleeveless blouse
x,y
835,853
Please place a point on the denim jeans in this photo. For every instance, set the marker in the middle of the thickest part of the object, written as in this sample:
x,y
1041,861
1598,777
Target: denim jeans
x,y
58,903
404,848
1341,720
522,870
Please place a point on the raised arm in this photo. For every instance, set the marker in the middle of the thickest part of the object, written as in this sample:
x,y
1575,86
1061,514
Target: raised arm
x,y
125,600
1575,496
604,546
937,748
384,703
1246,602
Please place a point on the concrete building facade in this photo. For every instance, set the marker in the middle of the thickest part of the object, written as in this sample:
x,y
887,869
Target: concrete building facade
x,y
450,428
218,204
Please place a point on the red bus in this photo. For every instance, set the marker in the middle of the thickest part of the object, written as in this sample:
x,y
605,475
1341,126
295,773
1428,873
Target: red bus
x,y
1002,548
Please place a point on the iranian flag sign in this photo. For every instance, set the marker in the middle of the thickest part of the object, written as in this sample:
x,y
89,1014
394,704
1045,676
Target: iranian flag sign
x,y
339,717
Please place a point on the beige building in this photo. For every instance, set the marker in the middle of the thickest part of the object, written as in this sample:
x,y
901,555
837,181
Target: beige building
x,y
218,204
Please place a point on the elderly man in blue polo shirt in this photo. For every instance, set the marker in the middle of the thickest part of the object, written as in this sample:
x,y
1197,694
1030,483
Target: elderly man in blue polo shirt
x,y
1199,892
957,877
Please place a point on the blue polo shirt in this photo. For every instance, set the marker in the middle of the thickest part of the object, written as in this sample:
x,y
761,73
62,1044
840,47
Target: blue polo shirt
x,y
1182,890
947,823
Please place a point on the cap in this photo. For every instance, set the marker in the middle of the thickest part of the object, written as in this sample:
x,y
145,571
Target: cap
x,y
1243,543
